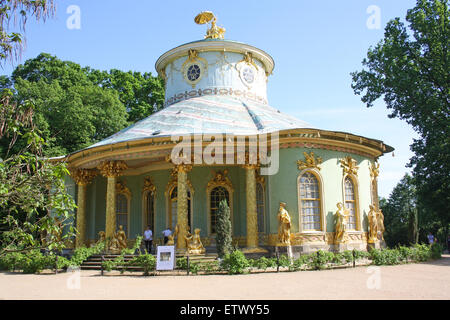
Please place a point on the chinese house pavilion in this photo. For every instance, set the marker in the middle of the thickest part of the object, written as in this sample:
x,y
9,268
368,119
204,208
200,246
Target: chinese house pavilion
x,y
216,96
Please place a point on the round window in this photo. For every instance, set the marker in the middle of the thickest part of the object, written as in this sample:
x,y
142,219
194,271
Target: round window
x,y
193,72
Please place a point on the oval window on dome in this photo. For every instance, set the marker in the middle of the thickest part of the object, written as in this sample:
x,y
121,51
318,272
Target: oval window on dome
x,y
193,72
248,75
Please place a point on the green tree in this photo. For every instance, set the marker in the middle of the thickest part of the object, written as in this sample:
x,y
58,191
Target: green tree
x,y
142,94
401,214
223,229
77,107
30,185
409,69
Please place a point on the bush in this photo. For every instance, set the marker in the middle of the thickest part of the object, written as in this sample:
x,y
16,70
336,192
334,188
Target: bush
x,y
421,252
235,263
436,251
182,263
146,261
320,259
28,262
385,257
284,261
300,262
209,267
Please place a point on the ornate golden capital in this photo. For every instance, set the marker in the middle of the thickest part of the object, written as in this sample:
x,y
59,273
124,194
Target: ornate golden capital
x,y
349,165
83,176
311,162
374,170
112,168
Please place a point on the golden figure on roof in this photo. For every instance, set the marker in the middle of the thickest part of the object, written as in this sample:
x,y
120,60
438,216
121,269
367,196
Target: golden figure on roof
x,y
214,32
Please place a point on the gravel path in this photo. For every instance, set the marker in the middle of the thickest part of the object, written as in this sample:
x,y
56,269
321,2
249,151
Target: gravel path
x,y
429,280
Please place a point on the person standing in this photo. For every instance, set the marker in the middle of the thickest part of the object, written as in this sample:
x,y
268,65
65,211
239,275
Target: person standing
x,y
148,239
166,234
430,238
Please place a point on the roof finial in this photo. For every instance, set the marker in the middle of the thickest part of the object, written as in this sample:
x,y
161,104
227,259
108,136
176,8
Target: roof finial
x,y
214,32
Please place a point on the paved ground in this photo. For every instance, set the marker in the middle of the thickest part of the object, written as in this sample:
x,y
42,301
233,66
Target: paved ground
x,y
429,280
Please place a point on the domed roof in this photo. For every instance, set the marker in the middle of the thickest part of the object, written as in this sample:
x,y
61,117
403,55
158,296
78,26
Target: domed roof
x,y
210,114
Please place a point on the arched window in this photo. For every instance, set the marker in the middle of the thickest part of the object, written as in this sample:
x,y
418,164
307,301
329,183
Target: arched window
x,y
350,202
173,208
122,211
260,206
217,194
310,202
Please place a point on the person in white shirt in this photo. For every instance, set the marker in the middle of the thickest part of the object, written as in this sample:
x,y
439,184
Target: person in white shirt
x,y
148,239
166,234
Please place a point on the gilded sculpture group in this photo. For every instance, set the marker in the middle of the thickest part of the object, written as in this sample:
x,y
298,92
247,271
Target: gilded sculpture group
x,y
376,225
119,241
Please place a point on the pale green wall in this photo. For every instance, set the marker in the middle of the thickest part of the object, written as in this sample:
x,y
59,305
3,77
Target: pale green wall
x,y
281,187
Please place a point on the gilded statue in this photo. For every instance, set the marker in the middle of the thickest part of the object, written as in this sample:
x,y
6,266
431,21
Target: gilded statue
x,y
373,224
101,236
380,224
214,32
341,224
194,243
122,237
118,241
284,225
171,241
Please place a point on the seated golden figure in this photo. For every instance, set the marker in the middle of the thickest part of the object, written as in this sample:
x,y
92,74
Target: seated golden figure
x,y
118,241
194,243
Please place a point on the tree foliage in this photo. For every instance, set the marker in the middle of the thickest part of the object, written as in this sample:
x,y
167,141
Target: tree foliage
x,y
77,107
15,13
409,69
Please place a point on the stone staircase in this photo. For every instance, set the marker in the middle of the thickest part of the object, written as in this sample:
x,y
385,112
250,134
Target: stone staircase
x,y
94,262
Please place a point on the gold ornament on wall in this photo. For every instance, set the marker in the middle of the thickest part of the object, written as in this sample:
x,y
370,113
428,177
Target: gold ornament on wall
x,y
311,162
349,165
220,179
214,32
148,185
374,170
122,188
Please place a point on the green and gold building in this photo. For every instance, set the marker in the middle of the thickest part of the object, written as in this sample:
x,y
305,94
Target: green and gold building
x,y
216,104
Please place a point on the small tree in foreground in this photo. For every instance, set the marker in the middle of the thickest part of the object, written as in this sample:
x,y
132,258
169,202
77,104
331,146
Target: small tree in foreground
x,y
223,228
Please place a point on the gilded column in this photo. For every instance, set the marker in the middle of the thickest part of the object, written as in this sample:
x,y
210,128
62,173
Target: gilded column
x,y
82,177
252,219
111,170
182,205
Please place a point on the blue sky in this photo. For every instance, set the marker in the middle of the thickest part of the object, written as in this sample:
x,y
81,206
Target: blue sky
x,y
315,45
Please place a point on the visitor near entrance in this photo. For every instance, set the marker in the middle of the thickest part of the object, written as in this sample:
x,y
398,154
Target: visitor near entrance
x,y
148,239
166,234
430,238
